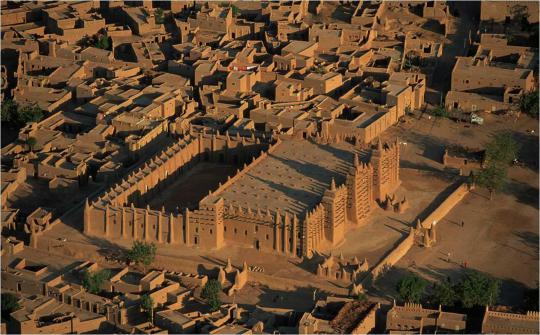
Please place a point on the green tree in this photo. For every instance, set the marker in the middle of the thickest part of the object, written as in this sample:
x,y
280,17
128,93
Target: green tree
x,y
411,288
528,103
444,293
235,10
361,297
31,142
103,42
498,155
477,289
210,293
10,303
29,113
9,111
502,150
440,111
159,16
93,281
142,253
319,69
147,305
17,116
493,177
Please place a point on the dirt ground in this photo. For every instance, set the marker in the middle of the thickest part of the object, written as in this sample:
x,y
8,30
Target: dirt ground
x,y
500,237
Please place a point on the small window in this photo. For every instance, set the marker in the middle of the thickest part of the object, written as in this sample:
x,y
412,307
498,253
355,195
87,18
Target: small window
x,y
267,237
256,228
210,231
196,230
245,232
235,230
225,229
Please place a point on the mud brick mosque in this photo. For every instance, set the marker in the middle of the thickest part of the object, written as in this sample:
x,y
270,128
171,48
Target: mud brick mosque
x,y
292,196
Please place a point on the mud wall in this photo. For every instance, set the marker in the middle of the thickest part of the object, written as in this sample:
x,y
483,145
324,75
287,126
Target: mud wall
x,y
446,206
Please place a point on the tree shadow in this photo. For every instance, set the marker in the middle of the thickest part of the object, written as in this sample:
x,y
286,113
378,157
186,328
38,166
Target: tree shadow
x,y
109,250
529,239
528,149
523,192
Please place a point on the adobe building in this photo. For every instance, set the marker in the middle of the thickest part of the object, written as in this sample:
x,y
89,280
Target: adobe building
x,y
291,92
500,11
495,78
510,323
295,197
472,74
348,271
340,316
413,318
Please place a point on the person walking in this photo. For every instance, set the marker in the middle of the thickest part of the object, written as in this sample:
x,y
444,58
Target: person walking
x,y
462,223
448,257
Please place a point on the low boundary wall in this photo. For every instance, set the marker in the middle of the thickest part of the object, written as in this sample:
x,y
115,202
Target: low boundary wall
x,y
406,244
446,206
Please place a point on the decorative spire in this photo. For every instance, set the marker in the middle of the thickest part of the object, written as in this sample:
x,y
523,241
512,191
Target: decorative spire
x,y
228,267
333,184
355,160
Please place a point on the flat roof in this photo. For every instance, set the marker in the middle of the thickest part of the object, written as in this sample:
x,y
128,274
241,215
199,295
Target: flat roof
x,y
292,178
174,316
